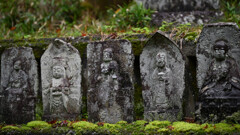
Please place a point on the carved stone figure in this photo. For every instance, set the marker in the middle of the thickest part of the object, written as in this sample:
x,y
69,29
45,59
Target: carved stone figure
x,y
61,80
218,55
110,74
162,74
223,78
19,84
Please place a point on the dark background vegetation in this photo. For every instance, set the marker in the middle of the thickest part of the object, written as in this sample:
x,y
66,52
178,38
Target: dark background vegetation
x,y
53,18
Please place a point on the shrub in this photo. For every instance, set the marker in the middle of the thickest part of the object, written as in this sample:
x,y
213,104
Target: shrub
x,y
134,15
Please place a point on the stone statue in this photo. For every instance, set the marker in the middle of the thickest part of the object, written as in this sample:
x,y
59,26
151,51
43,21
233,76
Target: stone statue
x,y
18,84
109,86
161,74
223,78
59,91
162,70
110,81
61,81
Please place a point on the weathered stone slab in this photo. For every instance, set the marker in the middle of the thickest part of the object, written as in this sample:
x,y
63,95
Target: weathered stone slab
x,y
180,5
218,56
110,80
61,81
162,72
19,85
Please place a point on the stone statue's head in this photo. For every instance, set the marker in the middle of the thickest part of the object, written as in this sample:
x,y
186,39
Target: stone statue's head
x,y
58,72
107,54
220,49
161,59
17,65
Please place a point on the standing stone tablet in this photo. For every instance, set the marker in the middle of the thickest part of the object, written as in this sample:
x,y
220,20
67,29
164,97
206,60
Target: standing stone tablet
x,y
19,85
110,80
218,71
61,81
162,73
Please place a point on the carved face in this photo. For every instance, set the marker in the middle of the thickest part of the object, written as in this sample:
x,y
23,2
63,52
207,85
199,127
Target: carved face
x,y
161,59
58,72
219,53
17,65
107,54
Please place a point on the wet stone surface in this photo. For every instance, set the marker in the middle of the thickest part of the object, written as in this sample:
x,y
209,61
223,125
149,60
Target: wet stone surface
x,y
110,81
61,81
162,72
218,56
19,85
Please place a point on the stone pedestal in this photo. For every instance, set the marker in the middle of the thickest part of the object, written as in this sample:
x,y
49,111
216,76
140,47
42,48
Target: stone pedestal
x,y
110,81
19,85
61,81
162,72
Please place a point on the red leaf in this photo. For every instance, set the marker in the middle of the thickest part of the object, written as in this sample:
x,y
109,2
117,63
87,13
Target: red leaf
x,y
170,127
83,34
58,31
100,124
12,28
52,122
205,127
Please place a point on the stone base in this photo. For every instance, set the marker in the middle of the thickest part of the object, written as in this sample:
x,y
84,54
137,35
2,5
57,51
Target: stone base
x,y
217,109
170,114
61,117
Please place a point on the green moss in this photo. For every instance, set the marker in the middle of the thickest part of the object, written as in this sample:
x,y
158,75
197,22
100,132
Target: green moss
x,y
234,118
10,128
138,102
223,128
137,47
39,124
122,122
151,129
161,124
111,128
81,47
184,127
140,122
84,127
39,110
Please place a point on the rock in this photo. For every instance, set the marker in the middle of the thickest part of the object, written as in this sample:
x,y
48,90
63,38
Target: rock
x,y
218,71
19,85
180,5
110,81
61,81
162,72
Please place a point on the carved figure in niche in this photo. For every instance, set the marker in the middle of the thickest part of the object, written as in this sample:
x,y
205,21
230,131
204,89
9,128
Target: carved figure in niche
x,y
222,79
17,86
163,80
109,85
59,91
